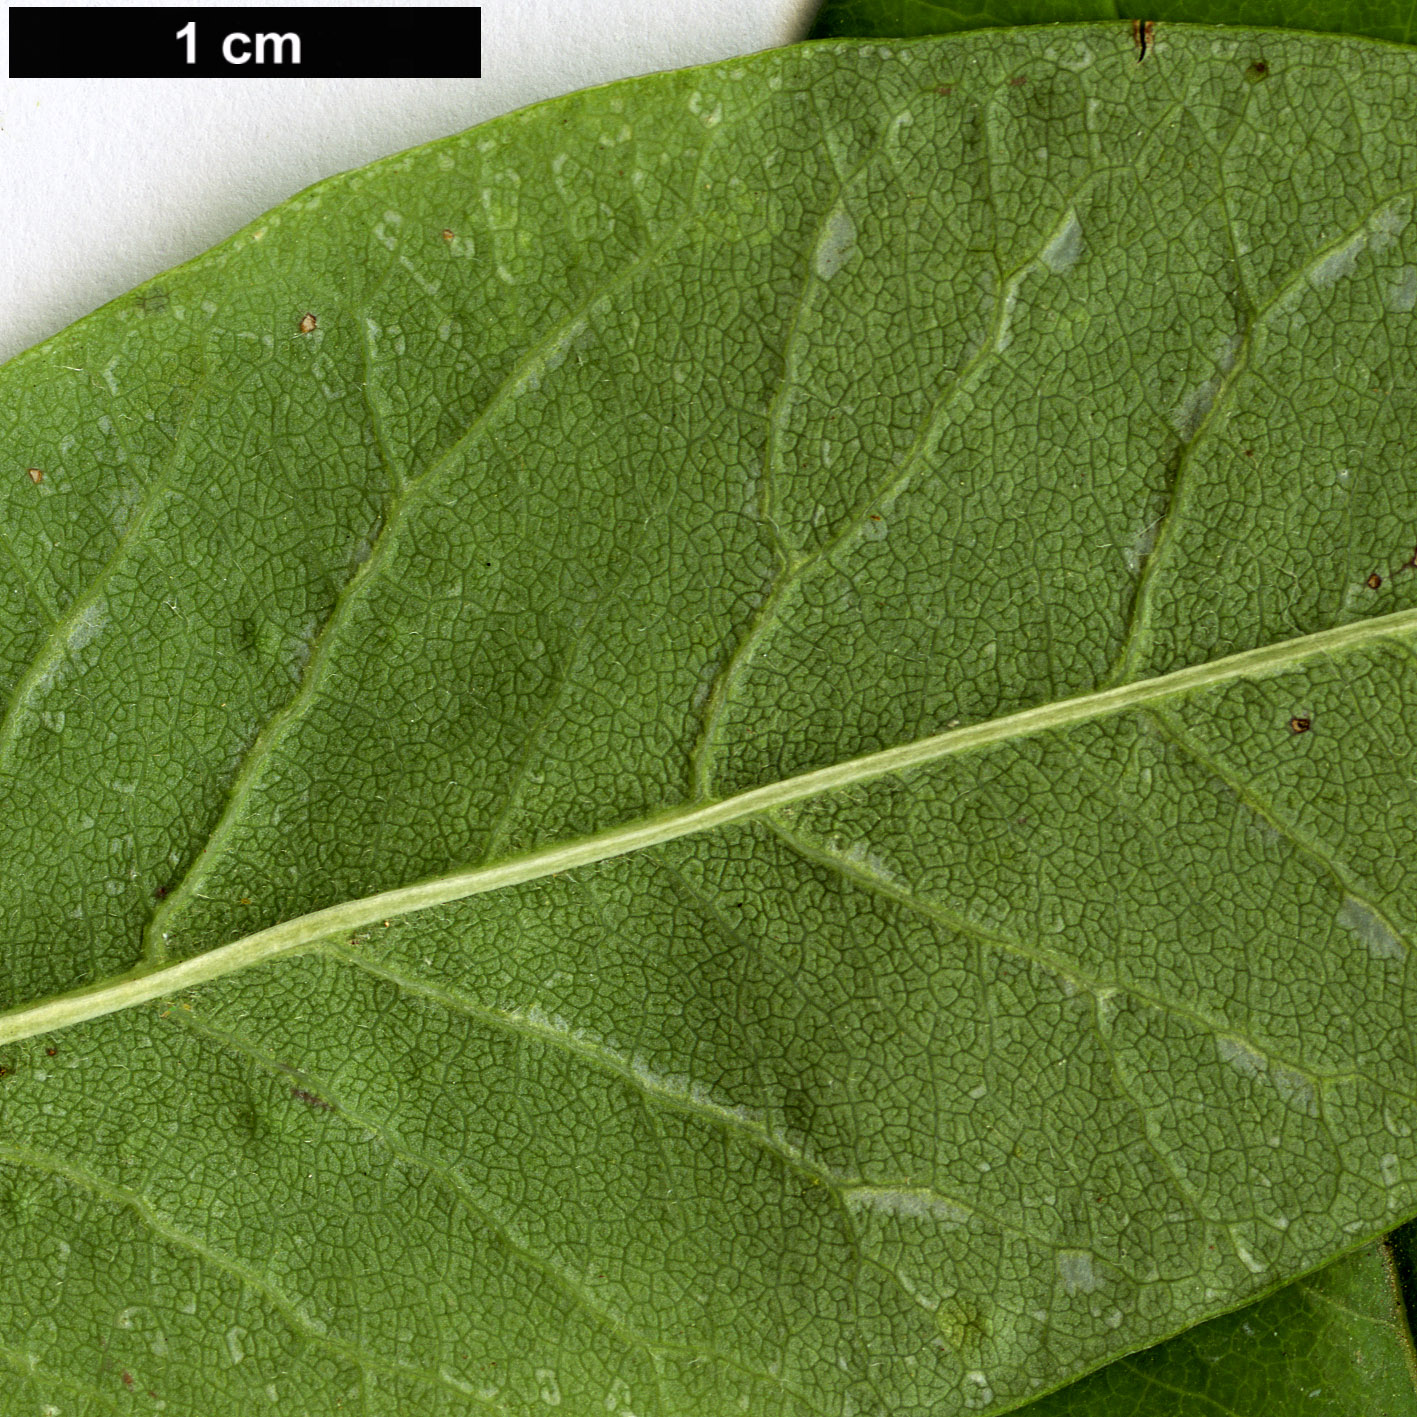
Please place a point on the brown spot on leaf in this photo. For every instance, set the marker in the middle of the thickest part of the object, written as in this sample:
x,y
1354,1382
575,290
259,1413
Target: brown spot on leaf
x,y
945,90
1374,581
1142,33
1018,82
35,475
447,234
307,323
161,892
127,1380
1300,725
50,1052
1257,71
310,1099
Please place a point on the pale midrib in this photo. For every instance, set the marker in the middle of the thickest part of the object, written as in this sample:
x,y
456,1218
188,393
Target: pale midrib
x,y
145,985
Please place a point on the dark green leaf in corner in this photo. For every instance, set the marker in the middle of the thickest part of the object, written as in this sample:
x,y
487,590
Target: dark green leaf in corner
x,y
1394,20
726,746
1334,1344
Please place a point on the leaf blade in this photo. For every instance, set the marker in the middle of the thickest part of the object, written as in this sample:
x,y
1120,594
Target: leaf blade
x,y
585,1084
160,981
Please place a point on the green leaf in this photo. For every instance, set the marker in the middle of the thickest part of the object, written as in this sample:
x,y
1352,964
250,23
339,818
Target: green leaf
x,y
1331,1345
1323,1360
728,745
1394,20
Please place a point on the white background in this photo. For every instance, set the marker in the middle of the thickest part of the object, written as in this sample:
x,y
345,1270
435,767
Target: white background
x,y
106,182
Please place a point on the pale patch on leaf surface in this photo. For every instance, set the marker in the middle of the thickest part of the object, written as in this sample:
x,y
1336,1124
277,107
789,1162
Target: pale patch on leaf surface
x,y
858,931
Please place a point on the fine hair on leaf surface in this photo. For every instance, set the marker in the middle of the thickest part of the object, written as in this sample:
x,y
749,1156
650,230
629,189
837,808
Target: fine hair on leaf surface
x,y
650,753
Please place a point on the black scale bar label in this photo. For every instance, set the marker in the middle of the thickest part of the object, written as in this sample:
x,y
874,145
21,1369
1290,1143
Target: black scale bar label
x,y
359,42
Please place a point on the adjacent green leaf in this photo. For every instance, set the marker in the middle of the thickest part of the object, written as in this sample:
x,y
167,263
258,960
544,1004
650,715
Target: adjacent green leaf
x,y
1394,20
1331,1345
867,591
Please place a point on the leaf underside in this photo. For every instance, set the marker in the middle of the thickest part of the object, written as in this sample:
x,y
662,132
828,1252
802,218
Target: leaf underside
x,y
1337,1342
1302,1349
651,447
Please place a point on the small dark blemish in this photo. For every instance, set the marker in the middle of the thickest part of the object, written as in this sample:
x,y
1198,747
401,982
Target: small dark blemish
x,y
35,475
1019,82
4,1071
1257,71
127,1380
945,90
1300,725
1142,33
875,516
1249,452
447,234
1374,581
311,1100
161,892
307,323
50,1052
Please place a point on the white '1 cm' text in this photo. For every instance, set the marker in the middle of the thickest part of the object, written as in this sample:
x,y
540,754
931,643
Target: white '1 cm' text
x,y
238,48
